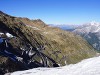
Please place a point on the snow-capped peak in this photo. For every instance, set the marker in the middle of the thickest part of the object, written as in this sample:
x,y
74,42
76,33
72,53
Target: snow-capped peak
x,y
93,23
86,28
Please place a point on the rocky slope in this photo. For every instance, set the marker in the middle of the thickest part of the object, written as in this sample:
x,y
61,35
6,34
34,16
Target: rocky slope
x,y
64,47
91,32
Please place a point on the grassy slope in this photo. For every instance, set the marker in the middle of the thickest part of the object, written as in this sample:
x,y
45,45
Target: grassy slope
x,y
60,45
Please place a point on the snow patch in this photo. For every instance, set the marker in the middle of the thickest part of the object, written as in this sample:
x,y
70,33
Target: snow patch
x,y
35,28
9,35
1,33
45,32
97,30
86,67
94,45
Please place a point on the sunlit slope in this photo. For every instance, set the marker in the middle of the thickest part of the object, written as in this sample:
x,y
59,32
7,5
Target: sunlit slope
x,y
64,47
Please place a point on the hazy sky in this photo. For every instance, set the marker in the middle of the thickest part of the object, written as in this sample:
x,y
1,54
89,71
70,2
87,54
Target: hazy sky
x,y
54,11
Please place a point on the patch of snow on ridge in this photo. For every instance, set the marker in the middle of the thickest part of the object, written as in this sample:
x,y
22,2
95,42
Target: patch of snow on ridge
x,y
9,35
89,66
35,28
1,33
97,30
45,32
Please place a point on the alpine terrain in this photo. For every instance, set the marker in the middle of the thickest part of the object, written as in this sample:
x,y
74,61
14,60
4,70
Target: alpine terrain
x,y
91,32
27,44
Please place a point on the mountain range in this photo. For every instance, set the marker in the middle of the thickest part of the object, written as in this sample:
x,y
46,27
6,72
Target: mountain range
x,y
91,32
68,27
62,46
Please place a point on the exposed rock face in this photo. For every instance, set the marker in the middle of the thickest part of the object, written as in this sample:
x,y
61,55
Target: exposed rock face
x,y
64,47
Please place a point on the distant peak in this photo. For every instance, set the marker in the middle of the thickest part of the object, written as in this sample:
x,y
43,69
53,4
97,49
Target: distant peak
x,y
93,23
1,12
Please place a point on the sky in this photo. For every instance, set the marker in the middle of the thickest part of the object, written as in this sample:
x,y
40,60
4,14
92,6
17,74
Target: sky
x,y
54,11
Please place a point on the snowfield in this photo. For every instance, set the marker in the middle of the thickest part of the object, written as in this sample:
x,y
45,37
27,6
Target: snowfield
x,y
89,66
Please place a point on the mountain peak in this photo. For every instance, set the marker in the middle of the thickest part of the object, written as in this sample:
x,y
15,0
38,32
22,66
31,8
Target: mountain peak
x,y
94,23
2,13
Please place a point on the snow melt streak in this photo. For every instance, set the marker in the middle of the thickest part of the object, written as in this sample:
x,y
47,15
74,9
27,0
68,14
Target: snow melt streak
x,y
86,67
